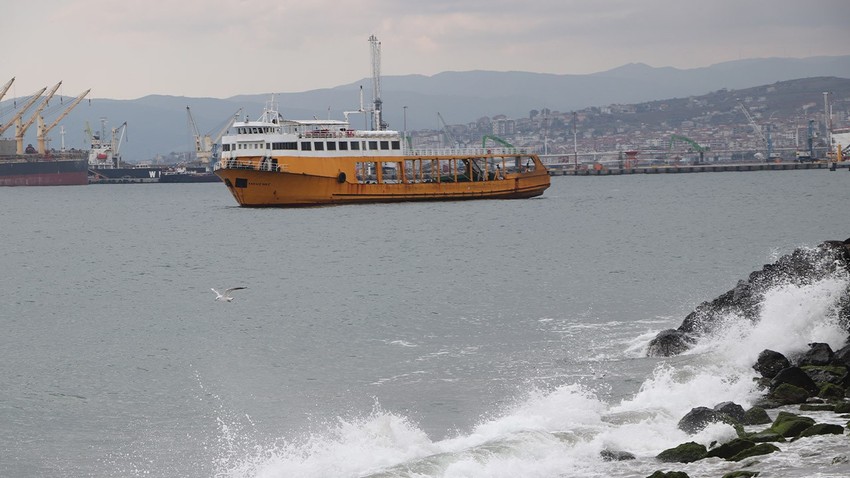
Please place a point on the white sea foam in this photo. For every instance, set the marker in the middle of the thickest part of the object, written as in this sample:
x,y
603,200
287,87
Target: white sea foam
x,y
561,431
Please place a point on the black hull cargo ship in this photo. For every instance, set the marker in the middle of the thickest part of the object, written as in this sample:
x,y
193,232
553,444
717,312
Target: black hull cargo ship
x,y
53,169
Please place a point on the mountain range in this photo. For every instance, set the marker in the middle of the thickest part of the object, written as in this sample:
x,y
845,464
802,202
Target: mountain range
x,y
158,124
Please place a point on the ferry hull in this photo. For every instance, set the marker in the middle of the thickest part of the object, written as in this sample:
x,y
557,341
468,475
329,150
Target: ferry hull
x,y
63,172
255,188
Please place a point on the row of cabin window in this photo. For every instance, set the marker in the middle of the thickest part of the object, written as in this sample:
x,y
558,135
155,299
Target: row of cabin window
x,y
322,146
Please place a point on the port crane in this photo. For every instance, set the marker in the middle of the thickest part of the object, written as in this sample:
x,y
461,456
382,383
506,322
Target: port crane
x,y
6,87
765,138
32,99
450,139
21,127
694,145
43,130
377,121
206,146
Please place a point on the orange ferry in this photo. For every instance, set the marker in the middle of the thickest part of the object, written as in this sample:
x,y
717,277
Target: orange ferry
x,y
277,162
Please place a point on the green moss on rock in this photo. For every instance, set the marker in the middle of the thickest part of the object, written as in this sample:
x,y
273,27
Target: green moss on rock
x,y
760,449
684,453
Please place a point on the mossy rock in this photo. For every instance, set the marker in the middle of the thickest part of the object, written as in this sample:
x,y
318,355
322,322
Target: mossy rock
x,y
831,391
741,474
756,416
684,453
790,425
760,449
669,474
766,436
789,394
730,449
842,407
822,429
838,370
817,407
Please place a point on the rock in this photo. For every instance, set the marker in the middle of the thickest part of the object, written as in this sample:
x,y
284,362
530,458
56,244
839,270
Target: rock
x,y
787,394
668,343
818,354
766,436
730,449
822,429
821,374
741,474
616,455
732,409
684,453
843,407
797,377
842,356
789,425
817,407
769,363
668,474
755,416
760,449
700,417
831,392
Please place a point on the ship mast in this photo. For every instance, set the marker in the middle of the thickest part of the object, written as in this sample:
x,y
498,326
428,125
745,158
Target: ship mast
x,y
377,123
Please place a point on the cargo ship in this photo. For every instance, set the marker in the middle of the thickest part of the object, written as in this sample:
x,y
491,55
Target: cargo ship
x,y
67,168
104,159
188,174
277,162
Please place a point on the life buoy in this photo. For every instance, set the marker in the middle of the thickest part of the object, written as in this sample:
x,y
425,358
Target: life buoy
x,y
349,133
340,178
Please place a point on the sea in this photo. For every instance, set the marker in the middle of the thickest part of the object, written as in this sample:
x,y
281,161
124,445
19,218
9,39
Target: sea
x,y
442,339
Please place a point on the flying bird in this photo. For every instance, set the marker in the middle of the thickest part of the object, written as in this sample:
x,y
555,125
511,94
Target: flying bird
x,y
225,296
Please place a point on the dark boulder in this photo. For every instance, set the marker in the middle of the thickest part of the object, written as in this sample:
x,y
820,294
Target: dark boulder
x,y
669,474
755,416
787,394
789,425
759,449
741,474
732,409
822,429
818,354
769,363
684,453
730,449
700,417
668,343
842,356
797,377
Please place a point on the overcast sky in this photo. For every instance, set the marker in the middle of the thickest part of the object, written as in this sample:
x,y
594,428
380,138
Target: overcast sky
x,y
126,49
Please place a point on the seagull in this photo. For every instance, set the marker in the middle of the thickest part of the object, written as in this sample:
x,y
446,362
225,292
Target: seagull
x,y
225,296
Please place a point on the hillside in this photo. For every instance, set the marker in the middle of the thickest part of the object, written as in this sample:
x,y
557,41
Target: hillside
x,y
158,124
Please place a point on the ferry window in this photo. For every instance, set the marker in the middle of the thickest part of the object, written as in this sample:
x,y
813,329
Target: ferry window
x,y
331,145
306,146
343,145
373,145
396,144
268,146
355,145
385,145
320,146
225,147
365,172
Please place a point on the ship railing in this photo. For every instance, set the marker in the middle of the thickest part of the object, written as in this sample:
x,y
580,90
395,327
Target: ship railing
x,y
264,165
501,151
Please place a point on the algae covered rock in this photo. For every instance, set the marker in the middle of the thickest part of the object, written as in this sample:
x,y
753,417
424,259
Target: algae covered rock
x,y
669,474
790,425
788,394
730,449
741,474
822,429
760,449
684,453
755,416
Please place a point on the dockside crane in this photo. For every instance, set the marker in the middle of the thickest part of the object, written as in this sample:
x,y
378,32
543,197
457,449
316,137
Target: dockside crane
x,y
694,145
35,96
21,127
43,130
447,132
6,87
765,138
206,146
377,121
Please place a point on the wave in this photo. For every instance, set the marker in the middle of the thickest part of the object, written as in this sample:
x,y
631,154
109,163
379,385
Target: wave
x,y
562,431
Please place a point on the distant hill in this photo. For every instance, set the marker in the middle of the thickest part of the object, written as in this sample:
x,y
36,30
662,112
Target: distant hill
x,y
158,124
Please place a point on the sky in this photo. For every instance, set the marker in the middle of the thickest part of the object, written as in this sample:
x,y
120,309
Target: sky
x,y
127,49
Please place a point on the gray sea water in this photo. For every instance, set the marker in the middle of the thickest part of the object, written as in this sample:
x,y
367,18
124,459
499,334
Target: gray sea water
x,y
483,338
